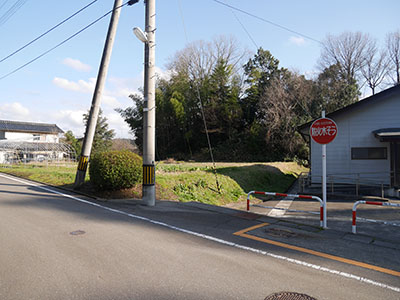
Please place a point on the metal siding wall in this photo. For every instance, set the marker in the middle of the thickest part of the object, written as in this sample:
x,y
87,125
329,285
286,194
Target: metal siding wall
x,y
355,130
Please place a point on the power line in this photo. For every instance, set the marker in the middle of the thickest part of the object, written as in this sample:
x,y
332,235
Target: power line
x,y
48,31
267,21
183,20
11,11
244,28
64,41
5,2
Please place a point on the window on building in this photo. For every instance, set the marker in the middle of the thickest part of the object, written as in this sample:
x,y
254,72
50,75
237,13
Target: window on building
x,y
369,153
36,137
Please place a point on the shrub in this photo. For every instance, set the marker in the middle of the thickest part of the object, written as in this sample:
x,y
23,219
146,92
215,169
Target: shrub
x,y
115,170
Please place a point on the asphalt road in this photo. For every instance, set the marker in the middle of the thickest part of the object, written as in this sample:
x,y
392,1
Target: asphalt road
x,y
117,256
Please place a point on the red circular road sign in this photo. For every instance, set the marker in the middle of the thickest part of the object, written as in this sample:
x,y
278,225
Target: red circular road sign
x,y
323,131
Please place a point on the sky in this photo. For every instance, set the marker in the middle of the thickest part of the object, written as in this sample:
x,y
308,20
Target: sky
x,y
58,87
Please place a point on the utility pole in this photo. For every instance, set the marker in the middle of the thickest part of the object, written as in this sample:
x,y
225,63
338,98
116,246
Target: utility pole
x,y
149,108
94,109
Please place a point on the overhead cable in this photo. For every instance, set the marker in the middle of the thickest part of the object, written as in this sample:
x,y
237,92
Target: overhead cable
x,y
11,11
267,21
48,31
63,42
183,20
4,3
245,29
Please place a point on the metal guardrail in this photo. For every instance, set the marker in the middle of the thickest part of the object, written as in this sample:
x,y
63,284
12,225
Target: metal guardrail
x,y
354,210
322,207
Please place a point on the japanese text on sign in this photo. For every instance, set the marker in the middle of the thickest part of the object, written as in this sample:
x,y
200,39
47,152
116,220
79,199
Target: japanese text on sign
x,y
321,131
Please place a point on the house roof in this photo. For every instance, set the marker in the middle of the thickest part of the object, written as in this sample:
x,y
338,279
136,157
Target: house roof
x,y
16,126
387,134
367,101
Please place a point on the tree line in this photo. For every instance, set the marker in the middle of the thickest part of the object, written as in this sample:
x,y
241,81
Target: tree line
x,y
251,106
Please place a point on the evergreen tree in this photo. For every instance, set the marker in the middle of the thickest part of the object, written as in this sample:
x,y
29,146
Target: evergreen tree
x,y
71,140
102,140
334,91
259,71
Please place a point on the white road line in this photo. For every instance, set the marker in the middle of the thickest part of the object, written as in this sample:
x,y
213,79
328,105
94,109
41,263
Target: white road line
x,y
283,204
214,239
392,223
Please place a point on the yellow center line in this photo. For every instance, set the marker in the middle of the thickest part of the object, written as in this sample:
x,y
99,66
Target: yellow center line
x,y
243,233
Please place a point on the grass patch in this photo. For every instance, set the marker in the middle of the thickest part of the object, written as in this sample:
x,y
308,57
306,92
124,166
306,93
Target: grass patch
x,y
200,186
259,177
181,181
197,182
57,175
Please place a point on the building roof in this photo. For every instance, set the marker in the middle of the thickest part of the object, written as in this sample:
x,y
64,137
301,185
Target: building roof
x,y
367,101
387,134
16,126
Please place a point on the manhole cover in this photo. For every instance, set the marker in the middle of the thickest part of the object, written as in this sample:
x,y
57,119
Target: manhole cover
x,y
280,232
77,232
246,215
289,296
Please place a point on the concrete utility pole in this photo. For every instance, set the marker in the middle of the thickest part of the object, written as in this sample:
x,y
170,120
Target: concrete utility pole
x,y
149,109
94,109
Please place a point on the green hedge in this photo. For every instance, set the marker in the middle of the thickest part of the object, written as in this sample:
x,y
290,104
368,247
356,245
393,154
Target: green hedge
x,y
115,170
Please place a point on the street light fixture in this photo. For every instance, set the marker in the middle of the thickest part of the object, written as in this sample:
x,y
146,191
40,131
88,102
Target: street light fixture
x,y
140,34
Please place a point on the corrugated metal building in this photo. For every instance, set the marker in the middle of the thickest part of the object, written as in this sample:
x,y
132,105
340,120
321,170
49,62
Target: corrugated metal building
x,y
367,145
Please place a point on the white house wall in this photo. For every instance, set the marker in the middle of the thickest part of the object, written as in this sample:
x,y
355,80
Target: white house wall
x,y
355,130
18,136
51,138
29,137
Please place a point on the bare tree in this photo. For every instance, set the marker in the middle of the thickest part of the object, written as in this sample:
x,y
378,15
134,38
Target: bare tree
x,y
285,104
199,58
124,144
348,51
393,47
375,67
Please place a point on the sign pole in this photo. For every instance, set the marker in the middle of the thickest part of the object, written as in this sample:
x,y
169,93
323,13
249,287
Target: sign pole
x,y
324,177
323,131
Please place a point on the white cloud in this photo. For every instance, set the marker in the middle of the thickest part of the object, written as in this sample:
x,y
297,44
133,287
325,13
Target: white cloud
x,y
66,84
74,117
120,127
14,111
73,120
76,64
80,86
110,100
117,91
163,74
311,74
297,40
70,120
87,87
123,87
